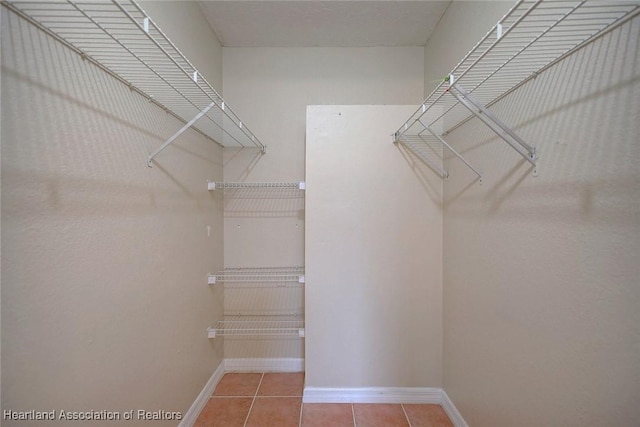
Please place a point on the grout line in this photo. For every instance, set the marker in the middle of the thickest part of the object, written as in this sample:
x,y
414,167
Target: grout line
x,y
300,419
353,413
231,397
253,401
405,414
282,397
251,397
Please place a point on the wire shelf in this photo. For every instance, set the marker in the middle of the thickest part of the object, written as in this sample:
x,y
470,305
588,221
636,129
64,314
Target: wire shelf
x,y
121,39
531,37
298,185
268,276
272,326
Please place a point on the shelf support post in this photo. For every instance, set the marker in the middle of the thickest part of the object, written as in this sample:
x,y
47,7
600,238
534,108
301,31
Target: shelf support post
x,y
180,132
500,129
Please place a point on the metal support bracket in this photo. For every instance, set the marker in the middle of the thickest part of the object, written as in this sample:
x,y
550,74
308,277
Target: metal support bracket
x,y
180,132
455,153
503,131
436,168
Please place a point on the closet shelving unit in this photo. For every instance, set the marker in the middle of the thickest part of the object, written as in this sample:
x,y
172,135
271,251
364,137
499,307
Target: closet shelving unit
x,y
260,276
270,326
251,325
119,37
530,38
299,185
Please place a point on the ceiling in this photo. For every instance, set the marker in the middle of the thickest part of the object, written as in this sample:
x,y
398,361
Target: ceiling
x,y
313,23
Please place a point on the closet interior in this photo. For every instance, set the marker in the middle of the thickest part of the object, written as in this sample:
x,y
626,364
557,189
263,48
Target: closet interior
x,y
334,244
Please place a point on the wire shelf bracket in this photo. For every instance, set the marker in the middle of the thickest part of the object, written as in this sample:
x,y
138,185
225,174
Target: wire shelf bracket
x,y
180,132
533,36
495,124
119,37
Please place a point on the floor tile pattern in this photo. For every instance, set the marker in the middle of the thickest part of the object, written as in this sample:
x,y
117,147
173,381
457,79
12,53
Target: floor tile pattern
x,y
275,400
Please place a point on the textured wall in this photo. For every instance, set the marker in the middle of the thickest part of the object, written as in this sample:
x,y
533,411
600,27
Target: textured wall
x,y
104,298
373,254
541,295
271,88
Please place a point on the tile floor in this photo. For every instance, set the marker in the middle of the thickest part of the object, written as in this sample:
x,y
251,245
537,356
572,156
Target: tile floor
x,y
275,400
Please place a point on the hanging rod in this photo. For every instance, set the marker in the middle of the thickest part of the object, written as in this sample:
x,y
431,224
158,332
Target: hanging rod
x,y
533,36
121,39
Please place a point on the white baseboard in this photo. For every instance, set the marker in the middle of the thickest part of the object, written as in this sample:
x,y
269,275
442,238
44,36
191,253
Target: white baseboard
x,y
452,411
264,365
191,415
372,395
408,395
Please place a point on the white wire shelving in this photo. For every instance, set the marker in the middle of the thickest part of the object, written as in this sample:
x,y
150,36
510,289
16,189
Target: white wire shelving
x,y
254,326
298,185
121,39
533,36
264,276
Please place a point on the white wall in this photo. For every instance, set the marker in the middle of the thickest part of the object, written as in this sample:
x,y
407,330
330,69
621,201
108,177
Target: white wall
x,y
270,89
373,254
104,297
541,295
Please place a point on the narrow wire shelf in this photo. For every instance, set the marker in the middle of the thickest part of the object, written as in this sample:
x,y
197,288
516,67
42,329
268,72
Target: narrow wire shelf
x,y
266,276
271,326
298,185
119,37
533,36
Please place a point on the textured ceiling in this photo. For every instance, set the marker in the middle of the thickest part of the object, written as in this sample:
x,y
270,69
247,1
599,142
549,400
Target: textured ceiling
x,y
311,23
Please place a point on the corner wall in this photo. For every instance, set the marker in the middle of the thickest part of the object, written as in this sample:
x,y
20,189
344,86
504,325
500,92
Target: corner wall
x,y
105,304
541,290
270,88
